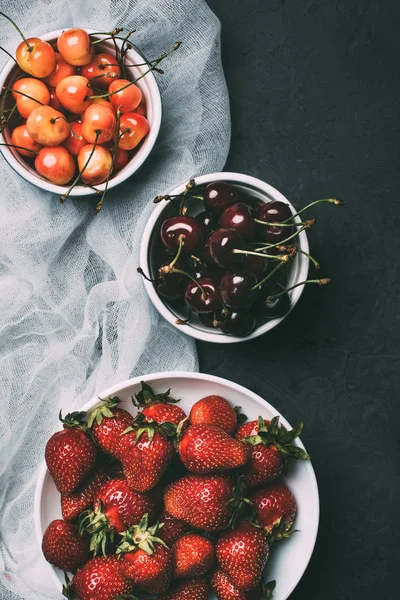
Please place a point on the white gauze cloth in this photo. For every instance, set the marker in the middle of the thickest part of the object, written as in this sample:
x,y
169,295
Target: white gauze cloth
x,y
74,315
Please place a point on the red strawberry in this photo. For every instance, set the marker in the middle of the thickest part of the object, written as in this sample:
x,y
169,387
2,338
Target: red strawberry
x,y
272,449
225,589
160,408
70,454
192,555
101,578
201,500
214,410
63,546
172,528
76,502
242,553
107,423
145,558
145,453
189,589
209,449
276,508
117,507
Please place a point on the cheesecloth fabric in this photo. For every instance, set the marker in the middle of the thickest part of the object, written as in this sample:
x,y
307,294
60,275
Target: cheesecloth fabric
x,y
74,315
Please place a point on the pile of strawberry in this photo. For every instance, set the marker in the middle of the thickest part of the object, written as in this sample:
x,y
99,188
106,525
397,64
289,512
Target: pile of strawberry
x,y
166,504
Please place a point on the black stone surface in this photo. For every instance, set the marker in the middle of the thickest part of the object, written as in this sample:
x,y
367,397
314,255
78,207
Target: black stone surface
x,y
315,95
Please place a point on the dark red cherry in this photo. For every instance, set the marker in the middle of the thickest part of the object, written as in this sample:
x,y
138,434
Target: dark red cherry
x,y
185,228
236,289
211,320
238,323
221,243
203,299
270,307
255,264
207,221
172,285
239,217
274,212
218,196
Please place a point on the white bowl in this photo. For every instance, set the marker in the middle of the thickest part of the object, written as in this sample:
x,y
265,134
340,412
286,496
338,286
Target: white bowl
x,y
290,557
246,185
152,97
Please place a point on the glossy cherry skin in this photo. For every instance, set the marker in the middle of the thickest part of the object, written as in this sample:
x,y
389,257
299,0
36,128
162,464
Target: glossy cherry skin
x,y
239,217
218,196
210,320
274,307
172,285
203,302
186,228
256,264
103,68
236,289
208,221
221,243
274,212
238,323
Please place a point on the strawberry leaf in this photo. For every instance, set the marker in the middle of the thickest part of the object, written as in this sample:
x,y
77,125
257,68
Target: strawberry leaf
x,y
279,436
147,396
268,590
67,588
74,419
99,413
141,536
240,417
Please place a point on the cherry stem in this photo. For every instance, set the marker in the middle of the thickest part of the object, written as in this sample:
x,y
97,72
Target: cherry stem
x,y
9,54
73,184
113,153
260,283
296,233
323,281
284,258
204,293
30,48
12,111
111,74
22,94
283,224
328,200
314,262
142,273
20,148
181,242
72,132
157,62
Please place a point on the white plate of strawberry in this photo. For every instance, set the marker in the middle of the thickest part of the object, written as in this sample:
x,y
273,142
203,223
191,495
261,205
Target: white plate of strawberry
x,y
144,496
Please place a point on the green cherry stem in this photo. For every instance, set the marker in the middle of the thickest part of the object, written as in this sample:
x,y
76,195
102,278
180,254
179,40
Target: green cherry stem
x,y
173,270
328,200
296,233
323,281
22,94
77,178
30,48
283,258
311,258
72,132
113,153
20,148
9,53
12,111
283,224
175,260
274,270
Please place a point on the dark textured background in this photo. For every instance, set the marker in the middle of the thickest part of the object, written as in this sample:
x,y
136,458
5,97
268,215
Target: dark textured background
x,y
315,91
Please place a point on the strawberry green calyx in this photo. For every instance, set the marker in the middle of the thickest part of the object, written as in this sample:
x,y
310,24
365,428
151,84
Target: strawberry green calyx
x,y
104,410
74,420
141,536
142,425
241,506
147,396
279,436
268,590
281,531
67,588
241,418
96,524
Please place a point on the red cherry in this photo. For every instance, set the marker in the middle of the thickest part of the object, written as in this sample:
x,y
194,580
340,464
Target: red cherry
x,y
134,128
61,70
98,122
99,165
20,137
218,196
39,60
55,164
222,242
74,46
187,229
129,96
73,144
74,93
239,217
99,67
202,295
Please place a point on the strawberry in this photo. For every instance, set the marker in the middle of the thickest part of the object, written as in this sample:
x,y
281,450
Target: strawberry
x,y
192,555
201,500
160,408
275,508
76,502
272,449
145,453
242,553
225,589
145,558
116,508
101,578
214,410
189,589
209,449
172,528
70,454
107,423
63,546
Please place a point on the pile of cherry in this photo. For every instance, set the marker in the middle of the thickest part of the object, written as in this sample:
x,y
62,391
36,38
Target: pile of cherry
x,y
228,264
75,113
169,504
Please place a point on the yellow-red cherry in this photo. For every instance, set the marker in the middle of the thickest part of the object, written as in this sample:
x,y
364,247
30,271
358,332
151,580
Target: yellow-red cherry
x,y
128,98
98,122
133,128
103,68
74,93
47,126
55,164
73,143
33,93
20,137
74,46
36,57
60,71
98,165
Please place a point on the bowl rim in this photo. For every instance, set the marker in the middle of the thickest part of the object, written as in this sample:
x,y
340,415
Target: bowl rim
x,y
214,337
132,166
153,377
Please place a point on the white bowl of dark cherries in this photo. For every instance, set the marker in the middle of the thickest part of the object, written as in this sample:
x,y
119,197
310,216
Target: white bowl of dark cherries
x,y
225,256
